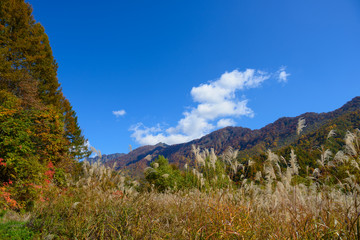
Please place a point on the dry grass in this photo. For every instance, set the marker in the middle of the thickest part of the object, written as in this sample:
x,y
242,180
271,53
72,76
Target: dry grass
x,y
248,213
102,205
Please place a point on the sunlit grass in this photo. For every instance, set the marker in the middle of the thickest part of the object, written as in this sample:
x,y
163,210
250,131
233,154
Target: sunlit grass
x,y
104,205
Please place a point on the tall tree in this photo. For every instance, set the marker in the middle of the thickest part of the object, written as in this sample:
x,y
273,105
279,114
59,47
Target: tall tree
x,y
29,71
38,126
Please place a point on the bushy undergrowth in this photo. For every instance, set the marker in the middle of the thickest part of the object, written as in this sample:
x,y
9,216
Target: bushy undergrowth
x,y
14,230
13,226
277,204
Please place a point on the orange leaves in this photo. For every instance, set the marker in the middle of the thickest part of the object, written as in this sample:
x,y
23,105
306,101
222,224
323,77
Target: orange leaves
x,y
6,202
6,112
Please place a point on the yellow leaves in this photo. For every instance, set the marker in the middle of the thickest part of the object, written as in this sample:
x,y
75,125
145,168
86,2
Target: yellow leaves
x,y
6,112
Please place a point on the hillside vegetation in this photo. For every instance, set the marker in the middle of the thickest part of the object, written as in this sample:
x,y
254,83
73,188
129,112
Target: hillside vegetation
x,y
297,178
279,136
205,202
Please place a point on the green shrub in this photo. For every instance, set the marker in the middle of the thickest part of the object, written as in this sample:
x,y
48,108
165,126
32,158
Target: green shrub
x,y
14,230
163,176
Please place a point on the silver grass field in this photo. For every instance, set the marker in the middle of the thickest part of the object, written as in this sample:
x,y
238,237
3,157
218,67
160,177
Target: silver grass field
x,y
103,204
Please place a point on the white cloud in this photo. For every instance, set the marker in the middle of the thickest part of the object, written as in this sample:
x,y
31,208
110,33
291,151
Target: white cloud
x,y
225,87
90,148
87,144
216,107
153,135
119,113
225,122
283,75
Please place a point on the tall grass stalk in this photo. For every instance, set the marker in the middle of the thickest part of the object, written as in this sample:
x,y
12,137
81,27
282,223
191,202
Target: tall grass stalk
x,y
104,205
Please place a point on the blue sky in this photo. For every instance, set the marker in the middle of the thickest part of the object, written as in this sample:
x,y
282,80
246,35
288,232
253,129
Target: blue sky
x,y
138,72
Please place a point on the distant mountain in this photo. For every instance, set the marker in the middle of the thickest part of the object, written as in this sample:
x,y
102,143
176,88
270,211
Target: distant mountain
x,y
276,136
135,161
105,158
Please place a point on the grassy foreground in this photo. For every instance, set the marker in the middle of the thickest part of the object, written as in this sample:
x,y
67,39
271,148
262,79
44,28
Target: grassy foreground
x,y
251,213
196,215
102,204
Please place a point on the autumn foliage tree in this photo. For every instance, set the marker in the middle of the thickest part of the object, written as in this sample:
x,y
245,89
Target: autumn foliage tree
x,y
37,123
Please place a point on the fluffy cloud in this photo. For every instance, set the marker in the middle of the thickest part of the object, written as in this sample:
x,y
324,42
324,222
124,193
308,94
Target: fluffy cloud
x,y
283,75
153,135
216,107
225,87
225,122
119,113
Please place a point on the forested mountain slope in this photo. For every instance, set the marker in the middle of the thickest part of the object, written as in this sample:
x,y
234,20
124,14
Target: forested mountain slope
x,y
276,136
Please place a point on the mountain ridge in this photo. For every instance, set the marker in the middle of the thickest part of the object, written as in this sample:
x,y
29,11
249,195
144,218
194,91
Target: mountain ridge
x,y
275,135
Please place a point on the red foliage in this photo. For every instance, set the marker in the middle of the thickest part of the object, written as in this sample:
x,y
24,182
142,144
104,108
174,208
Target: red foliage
x,y
5,197
49,173
2,163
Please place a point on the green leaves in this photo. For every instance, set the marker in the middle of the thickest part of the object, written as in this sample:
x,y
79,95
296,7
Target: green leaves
x,y
163,176
37,123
